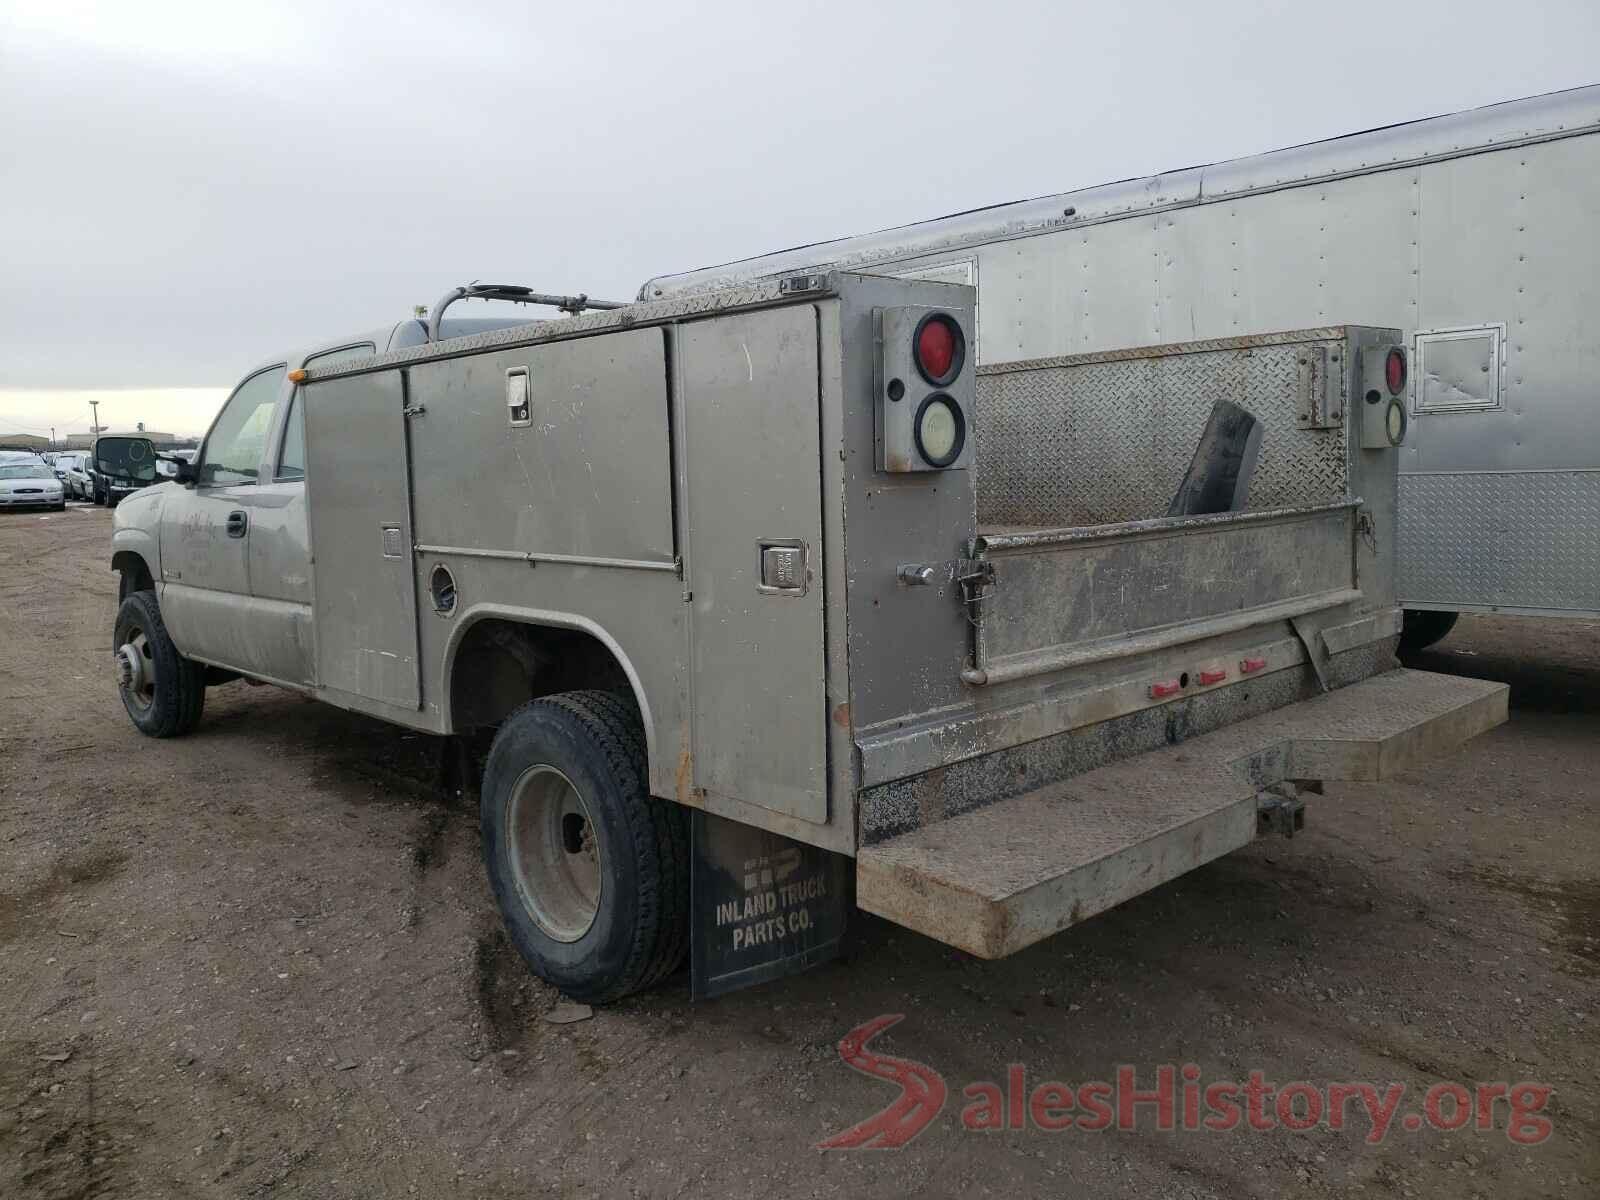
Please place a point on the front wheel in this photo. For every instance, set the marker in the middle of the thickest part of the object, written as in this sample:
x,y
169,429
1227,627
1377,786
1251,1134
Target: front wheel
x,y
591,873
163,691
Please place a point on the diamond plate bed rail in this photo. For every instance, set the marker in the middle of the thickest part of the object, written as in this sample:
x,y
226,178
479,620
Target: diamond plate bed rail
x,y
1085,440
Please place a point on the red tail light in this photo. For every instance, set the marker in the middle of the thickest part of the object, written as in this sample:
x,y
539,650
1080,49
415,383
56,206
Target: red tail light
x,y
1394,372
939,349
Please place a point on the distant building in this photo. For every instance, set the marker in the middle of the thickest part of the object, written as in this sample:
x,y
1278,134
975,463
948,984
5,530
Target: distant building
x,y
82,441
24,441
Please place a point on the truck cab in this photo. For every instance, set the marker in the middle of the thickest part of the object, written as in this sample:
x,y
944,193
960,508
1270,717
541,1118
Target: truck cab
x,y
228,545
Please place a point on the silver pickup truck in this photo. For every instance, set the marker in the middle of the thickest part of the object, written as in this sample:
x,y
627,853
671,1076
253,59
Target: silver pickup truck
x,y
773,603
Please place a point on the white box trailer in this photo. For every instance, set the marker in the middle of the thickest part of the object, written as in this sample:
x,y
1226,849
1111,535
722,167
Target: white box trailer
x,y
1474,234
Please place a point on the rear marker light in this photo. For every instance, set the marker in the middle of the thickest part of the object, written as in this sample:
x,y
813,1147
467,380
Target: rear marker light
x,y
1394,372
1394,422
936,349
940,430
1165,688
1210,677
939,348
1251,665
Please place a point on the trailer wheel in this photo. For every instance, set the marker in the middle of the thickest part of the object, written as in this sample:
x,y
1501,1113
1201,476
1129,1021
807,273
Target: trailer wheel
x,y
1421,628
591,873
163,691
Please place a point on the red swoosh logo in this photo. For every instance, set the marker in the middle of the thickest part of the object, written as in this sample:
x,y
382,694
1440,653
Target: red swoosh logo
x,y
922,1092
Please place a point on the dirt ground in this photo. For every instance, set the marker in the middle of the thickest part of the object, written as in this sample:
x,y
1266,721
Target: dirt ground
x,y
262,960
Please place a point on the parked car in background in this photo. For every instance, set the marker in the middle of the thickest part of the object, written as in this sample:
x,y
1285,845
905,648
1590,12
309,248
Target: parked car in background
x,y
29,484
121,463
75,478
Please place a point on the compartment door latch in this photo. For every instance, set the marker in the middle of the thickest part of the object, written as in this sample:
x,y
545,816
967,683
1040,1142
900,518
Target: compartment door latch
x,y
783,568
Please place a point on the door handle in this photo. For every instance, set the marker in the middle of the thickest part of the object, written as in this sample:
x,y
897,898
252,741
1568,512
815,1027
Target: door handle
x,y
238,523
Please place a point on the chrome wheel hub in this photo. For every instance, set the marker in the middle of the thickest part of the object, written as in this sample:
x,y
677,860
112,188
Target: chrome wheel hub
x,y
555,853
135,670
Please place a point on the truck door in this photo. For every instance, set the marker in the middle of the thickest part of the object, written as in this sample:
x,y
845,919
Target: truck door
x,y
358,495
205,532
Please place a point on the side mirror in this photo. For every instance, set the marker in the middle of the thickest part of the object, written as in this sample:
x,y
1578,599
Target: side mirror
x,y
170,466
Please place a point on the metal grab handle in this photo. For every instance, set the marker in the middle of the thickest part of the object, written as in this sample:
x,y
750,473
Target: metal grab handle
x,y
517,295
238,523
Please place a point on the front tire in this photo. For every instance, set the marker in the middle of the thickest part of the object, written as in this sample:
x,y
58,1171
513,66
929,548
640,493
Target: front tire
x,y
163,691
591,872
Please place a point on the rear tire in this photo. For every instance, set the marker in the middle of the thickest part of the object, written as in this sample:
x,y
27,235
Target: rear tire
x,y
590,871
1421,628
164,692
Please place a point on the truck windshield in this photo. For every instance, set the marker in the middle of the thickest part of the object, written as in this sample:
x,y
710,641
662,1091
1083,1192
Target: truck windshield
x,y
127,458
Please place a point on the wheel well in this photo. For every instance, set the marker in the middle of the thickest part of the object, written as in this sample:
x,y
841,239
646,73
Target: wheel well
x,y
135,571
500,665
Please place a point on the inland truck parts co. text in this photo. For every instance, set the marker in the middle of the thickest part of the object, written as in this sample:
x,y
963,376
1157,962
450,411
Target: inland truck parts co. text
x,y
772,914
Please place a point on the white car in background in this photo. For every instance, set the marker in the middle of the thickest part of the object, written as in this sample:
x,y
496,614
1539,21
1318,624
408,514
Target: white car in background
x,y
29,482
64,465
78,480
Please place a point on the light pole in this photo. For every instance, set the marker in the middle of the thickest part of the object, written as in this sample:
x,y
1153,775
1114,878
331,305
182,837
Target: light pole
x,y
94,422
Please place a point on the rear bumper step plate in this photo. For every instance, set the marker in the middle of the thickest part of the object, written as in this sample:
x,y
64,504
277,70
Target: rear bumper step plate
x,y
1005,876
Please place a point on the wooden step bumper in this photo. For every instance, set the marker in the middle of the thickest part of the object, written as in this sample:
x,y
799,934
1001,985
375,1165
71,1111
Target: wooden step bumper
x,y
1000,878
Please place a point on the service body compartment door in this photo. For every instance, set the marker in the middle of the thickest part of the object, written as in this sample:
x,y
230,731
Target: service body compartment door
x,y
753,467
585,475
359,497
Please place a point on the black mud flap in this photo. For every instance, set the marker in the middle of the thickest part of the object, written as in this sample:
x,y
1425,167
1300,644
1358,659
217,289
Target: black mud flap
x,y
763,906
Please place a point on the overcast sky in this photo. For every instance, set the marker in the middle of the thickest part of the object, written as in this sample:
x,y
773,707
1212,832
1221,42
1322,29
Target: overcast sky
x,y
191,187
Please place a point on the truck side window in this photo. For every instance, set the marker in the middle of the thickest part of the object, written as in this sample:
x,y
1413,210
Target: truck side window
x,y
292,453
292,457
233,448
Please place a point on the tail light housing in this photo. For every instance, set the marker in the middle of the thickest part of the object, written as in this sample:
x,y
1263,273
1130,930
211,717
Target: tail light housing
x,y
1384,373
925,385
